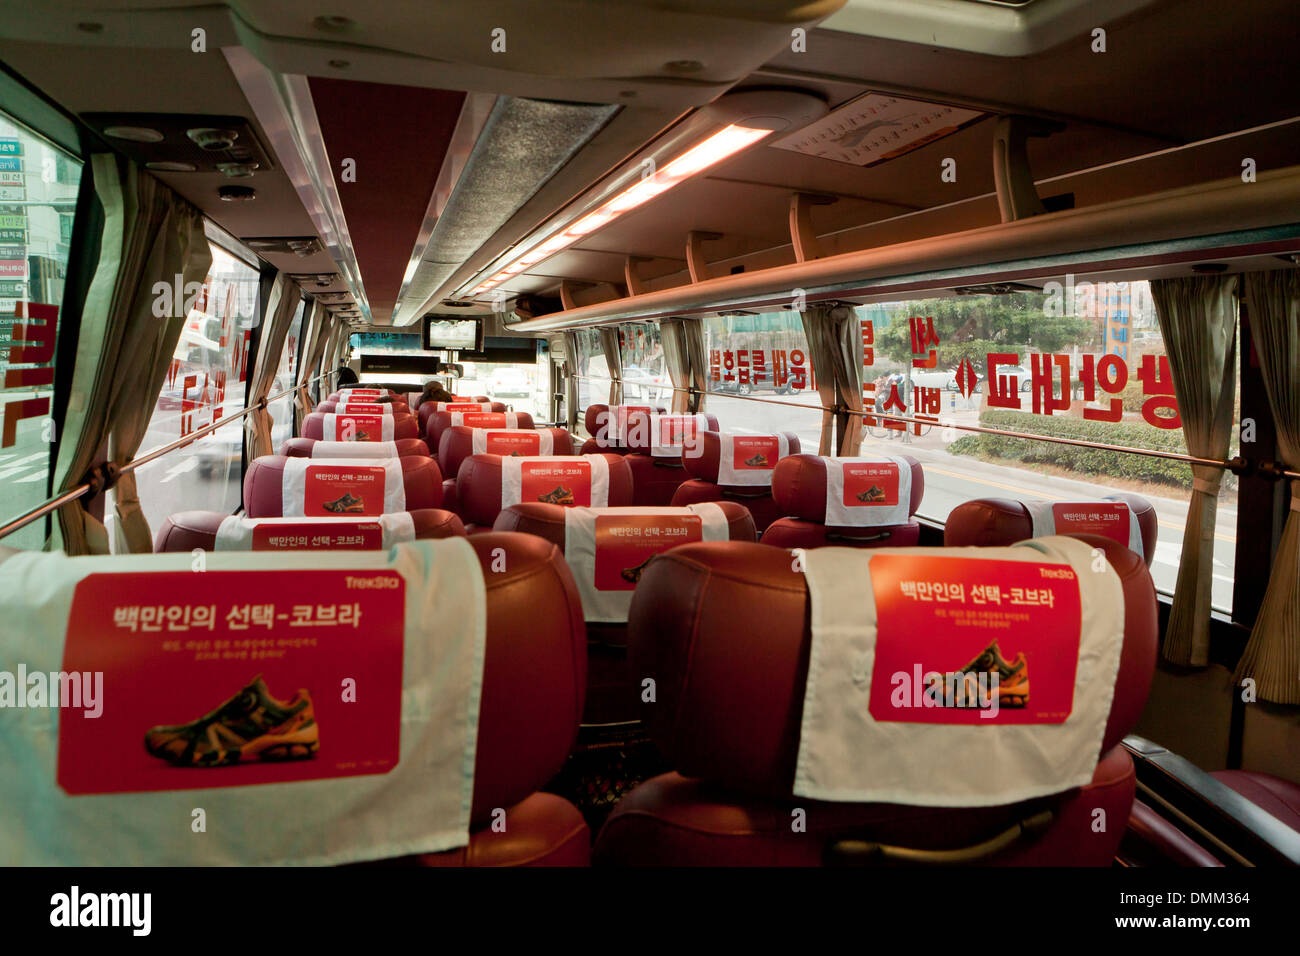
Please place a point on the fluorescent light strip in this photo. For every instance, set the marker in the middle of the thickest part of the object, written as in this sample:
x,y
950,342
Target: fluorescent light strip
x,y
710,152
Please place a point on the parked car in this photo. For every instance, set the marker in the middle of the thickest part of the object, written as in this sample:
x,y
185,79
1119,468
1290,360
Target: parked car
x,y
938,378
642,385
763,381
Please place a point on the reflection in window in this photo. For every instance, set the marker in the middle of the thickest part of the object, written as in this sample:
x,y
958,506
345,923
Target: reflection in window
x,y
207,381
38,195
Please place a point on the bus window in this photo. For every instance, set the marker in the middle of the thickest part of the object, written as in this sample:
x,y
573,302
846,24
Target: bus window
x,y
206,382
38,195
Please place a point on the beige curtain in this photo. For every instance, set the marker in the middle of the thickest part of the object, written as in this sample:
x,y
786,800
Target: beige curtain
x,y
673,337
848,377
1272,655
823,345
1198,319
614,362
835,346
281,305
310,358
151,238
698,363
571,391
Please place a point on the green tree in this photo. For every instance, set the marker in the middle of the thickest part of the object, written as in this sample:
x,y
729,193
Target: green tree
x,y
972,326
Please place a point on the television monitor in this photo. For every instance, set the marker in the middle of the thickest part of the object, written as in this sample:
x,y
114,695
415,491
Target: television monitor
x,y
442,332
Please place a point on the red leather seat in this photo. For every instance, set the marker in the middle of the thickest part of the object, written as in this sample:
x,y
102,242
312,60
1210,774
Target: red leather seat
x,y
478,489
329,408
264,480
703,485
534,680
198,529
596,421
613,687
799,490
433,425
302,447
427,410
1273,795
990,522
457,444
723,629
404,426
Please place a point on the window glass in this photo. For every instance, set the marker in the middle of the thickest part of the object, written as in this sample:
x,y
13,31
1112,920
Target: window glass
x,y
592,370
645,373
1079,361
38,197
282,408
765,359
207,381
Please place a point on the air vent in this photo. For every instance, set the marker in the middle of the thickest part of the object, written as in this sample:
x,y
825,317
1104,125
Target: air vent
x,y
302,246
321,280
175,145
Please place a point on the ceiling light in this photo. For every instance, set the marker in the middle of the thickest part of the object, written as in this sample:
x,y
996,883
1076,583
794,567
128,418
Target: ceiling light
x,y
726,142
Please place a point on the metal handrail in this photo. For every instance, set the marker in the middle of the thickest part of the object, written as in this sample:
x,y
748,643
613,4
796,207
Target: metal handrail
x,y
53,504
1237,465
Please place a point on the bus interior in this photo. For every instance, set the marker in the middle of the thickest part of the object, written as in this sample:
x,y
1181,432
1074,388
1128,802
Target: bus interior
x,y
548,433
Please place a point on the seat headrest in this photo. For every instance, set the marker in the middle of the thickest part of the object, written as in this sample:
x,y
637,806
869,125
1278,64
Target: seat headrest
x,y
438,422
706,460
458,442
478,485
799,486
317,424
547,521
987,522
534,669
188,530
265,482
314,448
662,434
723,630
602,421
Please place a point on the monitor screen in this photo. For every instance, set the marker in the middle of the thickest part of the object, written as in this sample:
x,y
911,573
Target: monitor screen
x,y
444,333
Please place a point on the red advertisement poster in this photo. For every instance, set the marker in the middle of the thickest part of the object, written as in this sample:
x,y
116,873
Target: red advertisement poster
x,y
676,431
361,408
1110,519
335,490
360,427
232,678
754,454
557,483
463,407
626,543
974,641
364,393
484,419
512,443
870,483
359,535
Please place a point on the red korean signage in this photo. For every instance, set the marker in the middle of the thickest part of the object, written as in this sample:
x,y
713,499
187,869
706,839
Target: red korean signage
x,y
626,543
339,491
283,536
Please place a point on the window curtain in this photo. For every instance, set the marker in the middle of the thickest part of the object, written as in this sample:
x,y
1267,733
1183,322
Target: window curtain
x,y
281,304
307,363
672,335
1198,319
151,237
571,381
697,362
835,347
614,362
848,376
1272,655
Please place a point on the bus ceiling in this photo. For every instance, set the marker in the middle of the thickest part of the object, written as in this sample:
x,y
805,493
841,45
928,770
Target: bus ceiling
x,y
685,151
